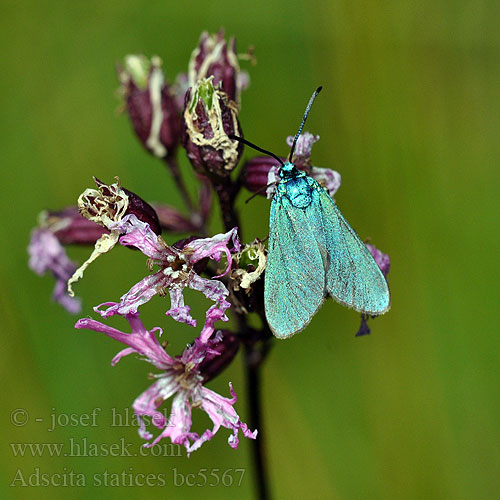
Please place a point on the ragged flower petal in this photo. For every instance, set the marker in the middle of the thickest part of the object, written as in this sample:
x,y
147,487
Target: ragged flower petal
x,y
182,379
176,271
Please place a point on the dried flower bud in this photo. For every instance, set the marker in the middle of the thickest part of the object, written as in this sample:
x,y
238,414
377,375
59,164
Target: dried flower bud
x,y
111,202
251,263
245,286
209,118
70,227
107,206
216,57
150,104
219,356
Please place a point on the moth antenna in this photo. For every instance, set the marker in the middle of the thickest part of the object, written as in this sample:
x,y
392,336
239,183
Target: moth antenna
x,y
306,113
259,191
253,146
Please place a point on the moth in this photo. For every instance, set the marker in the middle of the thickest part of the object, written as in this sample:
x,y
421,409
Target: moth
x,y
313,252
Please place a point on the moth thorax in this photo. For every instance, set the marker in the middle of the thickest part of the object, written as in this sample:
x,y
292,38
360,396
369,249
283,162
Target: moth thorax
x,y
298,192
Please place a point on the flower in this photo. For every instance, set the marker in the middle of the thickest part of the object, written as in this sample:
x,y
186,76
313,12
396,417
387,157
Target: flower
x,y
150,104
176,272
220,355
47,254
215,57
182,379
106,206
256,172
209,118
245,286
251,263
302,153
70,227
384,263
263,171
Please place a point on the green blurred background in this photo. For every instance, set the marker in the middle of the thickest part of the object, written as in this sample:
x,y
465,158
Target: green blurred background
x,y
409,115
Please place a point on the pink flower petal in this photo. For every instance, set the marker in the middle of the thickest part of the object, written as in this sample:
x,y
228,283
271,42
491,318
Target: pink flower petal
x,y
178,311
214,314
214,247
303,147
141,236
180,379
222,413
139,294
142,341
178,425
216,291
330,179
146,404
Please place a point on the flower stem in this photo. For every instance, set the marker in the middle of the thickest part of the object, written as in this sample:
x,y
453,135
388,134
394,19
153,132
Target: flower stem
x,y
226,193
256,344
179,182
253,359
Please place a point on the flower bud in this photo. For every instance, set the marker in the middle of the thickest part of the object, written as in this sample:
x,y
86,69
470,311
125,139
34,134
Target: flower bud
x,y
112,202
209,118
263,171
302,154
150,104
219,356
70,227
256,173
143,211
172,221
107,206
216,57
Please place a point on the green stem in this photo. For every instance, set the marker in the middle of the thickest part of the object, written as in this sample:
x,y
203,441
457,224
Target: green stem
x,y
179,182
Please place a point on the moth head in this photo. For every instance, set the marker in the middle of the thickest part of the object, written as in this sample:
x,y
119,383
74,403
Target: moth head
x,y
287,170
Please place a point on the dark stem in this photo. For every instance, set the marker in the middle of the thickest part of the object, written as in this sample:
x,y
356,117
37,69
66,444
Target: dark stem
x,y
226,193
253,359
179,182
256,343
